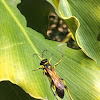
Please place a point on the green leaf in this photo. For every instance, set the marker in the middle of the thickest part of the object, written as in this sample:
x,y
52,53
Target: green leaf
x,y
87,14
18,43
89,27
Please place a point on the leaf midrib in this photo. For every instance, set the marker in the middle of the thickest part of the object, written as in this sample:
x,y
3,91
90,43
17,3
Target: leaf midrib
x,y
20,26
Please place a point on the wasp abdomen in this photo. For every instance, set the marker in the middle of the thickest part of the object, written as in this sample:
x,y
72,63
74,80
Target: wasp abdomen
x,y
60,92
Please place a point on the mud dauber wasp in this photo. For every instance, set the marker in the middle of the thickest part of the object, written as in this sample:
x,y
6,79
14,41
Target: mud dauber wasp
x,y
57,83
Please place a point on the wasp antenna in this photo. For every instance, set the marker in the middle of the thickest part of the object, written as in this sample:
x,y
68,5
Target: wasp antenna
x,y
43,52
37,55
34,54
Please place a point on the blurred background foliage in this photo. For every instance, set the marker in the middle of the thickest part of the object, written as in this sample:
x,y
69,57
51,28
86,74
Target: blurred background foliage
x,y
46,21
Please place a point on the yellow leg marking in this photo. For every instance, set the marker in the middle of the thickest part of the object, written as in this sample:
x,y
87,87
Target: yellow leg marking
x,y
50,58
58,62
38,68
54,87
67,90
44,71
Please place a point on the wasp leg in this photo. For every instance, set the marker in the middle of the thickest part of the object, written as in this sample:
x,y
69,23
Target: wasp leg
x,y
44,71
58,62
38,68
54,87
50,58
67,89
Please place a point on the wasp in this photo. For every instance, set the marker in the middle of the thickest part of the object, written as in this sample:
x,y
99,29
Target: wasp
x,y
58,83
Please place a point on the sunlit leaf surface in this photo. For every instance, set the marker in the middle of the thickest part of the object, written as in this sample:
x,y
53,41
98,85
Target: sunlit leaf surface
x,y
18,43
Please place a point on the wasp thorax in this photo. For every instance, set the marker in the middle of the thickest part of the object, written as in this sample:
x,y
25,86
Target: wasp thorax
x,y
43,61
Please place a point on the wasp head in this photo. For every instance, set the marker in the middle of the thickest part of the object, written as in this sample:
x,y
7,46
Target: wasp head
x,y
43,61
